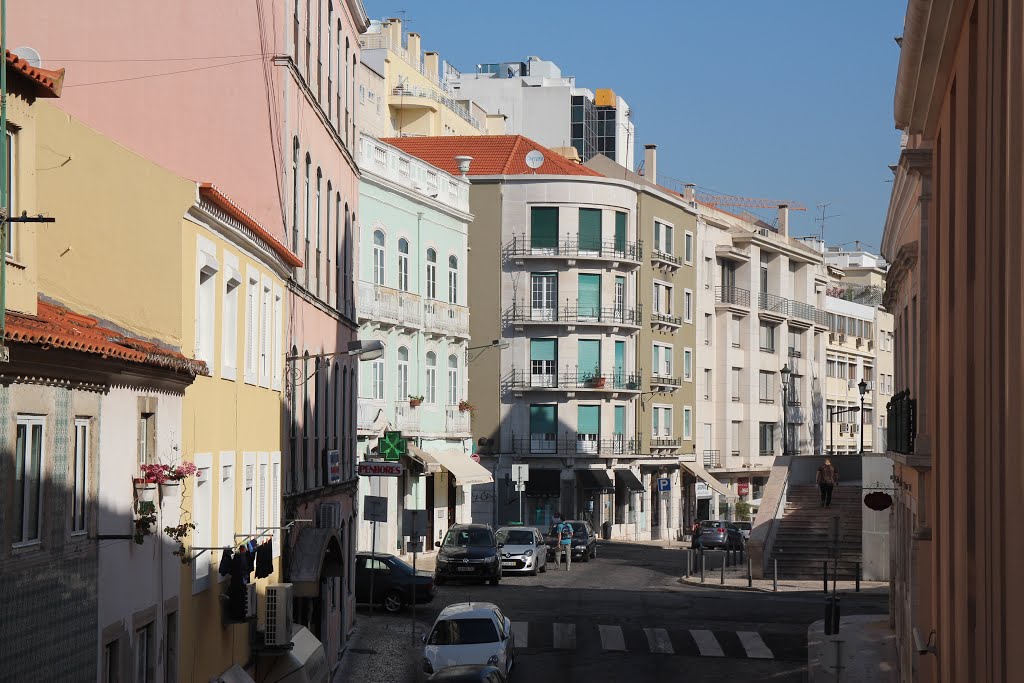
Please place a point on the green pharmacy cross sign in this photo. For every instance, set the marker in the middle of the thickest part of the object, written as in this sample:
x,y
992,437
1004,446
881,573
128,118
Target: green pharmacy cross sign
x,y
392,446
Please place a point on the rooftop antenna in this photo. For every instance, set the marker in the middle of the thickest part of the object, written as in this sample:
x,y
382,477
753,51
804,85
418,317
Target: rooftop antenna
x,y
823,206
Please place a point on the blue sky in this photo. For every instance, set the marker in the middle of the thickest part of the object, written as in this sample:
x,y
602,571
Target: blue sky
x,y
786,100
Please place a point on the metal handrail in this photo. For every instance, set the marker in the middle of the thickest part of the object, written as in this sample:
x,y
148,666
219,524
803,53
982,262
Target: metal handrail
x,y
429,93
804,311
521,245
712,458
772,303
665,318
736,296
580,379
667,257
575,314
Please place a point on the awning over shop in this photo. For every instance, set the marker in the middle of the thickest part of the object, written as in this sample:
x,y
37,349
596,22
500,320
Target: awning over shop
x,y
429,462
697,469
304,663
629,480
544,484
236,674
595,480
317,554
465,470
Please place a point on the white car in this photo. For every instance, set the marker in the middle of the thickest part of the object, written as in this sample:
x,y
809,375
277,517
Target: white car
x,y
469,633
524,550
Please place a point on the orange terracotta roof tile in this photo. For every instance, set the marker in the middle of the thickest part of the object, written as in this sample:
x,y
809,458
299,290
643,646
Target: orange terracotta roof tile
x,y
212,193
492,155
48,83
58,327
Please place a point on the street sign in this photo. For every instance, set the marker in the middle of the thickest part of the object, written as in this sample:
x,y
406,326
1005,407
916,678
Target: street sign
x,y
414,523
414,547
743,486
392,446
702,490
520,487
520,473
375,508
664,484
333,467
376,468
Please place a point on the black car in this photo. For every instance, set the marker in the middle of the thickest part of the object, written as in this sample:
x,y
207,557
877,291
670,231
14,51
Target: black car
x,y
469,551
469,673
393,582
584,540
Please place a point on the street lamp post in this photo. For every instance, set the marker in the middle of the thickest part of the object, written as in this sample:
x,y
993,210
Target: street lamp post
x,y
863,386
832,412
785,399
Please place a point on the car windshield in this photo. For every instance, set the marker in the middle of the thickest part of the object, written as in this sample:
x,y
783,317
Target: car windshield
x,y
515,537
463,538
579,528
743,525
399,566
711,524
463,632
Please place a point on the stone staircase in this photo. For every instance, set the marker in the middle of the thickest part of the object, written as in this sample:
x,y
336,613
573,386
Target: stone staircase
x,y
802,540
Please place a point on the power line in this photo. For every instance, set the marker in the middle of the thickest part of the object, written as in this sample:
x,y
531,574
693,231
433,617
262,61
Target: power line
x,y
151,59
165,73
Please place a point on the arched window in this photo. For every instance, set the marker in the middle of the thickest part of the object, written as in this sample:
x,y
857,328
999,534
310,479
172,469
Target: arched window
x,y
295,179
403,374
378,257
309,211
327,242
342,85
319,50
295,37
453,280
339,283
309,45
306,421
330,58
338,398
431,393
347,260
431,274
319,219
349,91
453,380
403,265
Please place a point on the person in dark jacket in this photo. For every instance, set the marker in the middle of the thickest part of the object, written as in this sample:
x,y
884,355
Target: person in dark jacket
x,y
828,479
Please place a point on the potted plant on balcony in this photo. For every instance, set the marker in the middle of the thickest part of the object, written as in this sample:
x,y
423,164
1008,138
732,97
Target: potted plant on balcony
x,y
596,380
178,534
415,401
145,488
169,477
145,511
466,407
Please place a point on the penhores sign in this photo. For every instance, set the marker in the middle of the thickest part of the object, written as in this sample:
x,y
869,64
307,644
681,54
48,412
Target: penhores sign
x,y
379,469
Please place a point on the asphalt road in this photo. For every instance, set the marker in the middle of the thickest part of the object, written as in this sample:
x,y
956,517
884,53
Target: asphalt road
x,y
621,617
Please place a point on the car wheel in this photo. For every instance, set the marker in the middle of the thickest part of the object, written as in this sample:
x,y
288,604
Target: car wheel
x,y
585,557
533,572
439,580
544,567
495,579
393,602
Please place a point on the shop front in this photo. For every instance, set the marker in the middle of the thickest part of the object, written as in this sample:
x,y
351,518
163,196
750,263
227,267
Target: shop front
x,y
596,496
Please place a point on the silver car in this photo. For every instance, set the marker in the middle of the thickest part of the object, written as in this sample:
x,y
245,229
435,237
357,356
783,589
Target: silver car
x,y
524,550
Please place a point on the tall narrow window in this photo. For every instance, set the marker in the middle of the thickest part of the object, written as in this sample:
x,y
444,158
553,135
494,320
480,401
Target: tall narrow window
x,y
431,392
431,274
80,476
687,306
171,647
11,187
309,210
145,658
330,57
295,36
544,228
278,341
339,283
319,218
453,379
543,295
266,331
688,248
453,280
687,422
229,325
309,45
28,479
206,299
543,357
403,265
377,379
378,257
296,189
688,365
226,507
252,326
403,374
327,242
319,49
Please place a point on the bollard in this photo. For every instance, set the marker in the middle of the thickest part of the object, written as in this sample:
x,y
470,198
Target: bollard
x,y
824,570
689,563
723,571
775,575
703,564
858,578
750,574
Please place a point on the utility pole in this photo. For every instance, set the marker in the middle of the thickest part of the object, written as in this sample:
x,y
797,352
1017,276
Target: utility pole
x,y
824,206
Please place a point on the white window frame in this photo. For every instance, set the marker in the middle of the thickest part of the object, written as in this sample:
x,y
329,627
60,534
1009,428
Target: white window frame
x,y
229,318
277,363
657,303
431,274
402,374
453,280
687,364
737,377
266,344
380,255
709,322
203,518
454,390
658,240
12,177
252,325
262,494
248,487
687,423
28,421
80,478
689,246
403,265
376,374
688,306
661,369
431,379
207,266
659,412
226,500
275,499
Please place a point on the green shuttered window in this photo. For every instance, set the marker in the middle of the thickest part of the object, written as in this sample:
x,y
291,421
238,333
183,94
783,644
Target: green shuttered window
x,y
589,356
588,420
590,229
620,231
542,349
544,227
589,295
542,419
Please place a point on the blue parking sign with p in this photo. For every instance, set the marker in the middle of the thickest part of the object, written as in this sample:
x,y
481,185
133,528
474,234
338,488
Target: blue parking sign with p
x,y
663,484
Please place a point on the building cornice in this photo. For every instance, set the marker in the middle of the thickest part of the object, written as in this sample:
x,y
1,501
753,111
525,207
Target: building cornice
x,y
416,197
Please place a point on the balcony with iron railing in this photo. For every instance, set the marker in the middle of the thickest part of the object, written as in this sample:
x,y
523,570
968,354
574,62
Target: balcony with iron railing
x,y
445,319
821,319
620,253
732,297
407,417
665,260
665,442
389,306
369,414
665,382
712,459
665,320
431,95
578,380
457,422
574,315
772,305
575,444
800,311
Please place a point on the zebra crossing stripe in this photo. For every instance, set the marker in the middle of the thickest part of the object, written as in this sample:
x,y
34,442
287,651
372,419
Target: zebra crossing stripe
x,y
658,640
754,645
707,643
519,632
611,638
565,636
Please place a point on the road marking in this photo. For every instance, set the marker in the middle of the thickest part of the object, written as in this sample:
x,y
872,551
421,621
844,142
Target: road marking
x,y
755,647
519,631
565,636
659,641
707,643
611,638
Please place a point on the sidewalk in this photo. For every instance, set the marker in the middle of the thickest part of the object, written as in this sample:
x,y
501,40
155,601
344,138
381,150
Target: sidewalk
x,y
381,650
866,650
736,578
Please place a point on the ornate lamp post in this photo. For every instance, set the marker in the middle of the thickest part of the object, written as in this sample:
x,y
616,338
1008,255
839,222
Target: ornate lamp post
x,y
785,401
863,386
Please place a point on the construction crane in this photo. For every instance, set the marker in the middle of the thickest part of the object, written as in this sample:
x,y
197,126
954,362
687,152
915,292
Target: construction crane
x,y
748,202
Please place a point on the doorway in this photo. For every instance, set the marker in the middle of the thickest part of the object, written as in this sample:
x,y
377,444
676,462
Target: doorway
x,y
452,500
430,511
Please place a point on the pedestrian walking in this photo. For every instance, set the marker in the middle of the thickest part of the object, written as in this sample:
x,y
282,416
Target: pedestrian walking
x,y
828,479
695,535
563,538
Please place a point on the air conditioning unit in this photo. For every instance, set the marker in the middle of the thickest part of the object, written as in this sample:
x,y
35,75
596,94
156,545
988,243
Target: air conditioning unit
x,y
277,632
851,384
860,341
844,428
842,337
831,337
250,601
871,345
330,516
854,428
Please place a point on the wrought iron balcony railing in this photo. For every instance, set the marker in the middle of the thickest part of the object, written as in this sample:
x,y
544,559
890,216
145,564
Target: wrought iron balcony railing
x,y
572,314
574,380
733,296
771,303
609,250
712,459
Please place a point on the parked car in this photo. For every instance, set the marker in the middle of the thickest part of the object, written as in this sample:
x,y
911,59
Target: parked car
x,y
584,540
469,633
393,582
744,528
523,550
469,673
469,551
718,533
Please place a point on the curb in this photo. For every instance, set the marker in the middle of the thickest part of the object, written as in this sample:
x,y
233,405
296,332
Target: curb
x,y
718,586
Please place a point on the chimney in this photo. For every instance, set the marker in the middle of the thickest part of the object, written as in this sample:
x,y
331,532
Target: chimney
x,y
783,222
393,31
690,192
651,163
431,63
414,49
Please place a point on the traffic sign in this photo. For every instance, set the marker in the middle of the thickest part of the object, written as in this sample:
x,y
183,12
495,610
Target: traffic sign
x,y
664,484
392,446
520,473
377,468
520,487
375,508
414,547
414,523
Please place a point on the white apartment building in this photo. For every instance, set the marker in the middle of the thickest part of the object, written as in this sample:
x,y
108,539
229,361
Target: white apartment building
x,y
761,315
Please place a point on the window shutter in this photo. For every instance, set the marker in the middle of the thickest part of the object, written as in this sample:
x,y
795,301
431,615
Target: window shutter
x,y
620,231
589,295
542,419
588,419
589,355
544,227
542,349
590,229
620,420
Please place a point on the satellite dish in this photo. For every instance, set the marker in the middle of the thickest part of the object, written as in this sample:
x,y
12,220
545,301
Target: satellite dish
x,y
534,159
30,55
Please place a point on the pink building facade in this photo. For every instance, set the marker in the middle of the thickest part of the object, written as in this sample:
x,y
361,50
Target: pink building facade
x,y
258,97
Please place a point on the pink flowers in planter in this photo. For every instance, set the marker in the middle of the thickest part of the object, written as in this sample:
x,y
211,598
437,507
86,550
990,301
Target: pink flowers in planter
x,y
163,474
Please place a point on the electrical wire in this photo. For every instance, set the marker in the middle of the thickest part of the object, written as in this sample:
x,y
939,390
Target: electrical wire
x,y
165,73
152,59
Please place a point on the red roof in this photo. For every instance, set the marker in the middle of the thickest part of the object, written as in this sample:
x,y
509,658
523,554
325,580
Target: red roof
x,y
58,327
212,193
48,83
492,155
